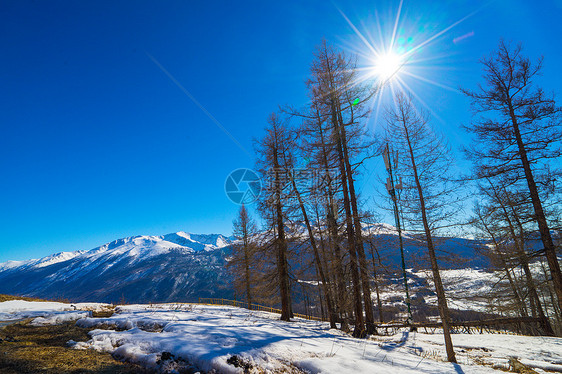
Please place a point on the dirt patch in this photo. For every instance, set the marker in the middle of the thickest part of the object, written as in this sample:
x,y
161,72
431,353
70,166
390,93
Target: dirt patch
x,y
42,349
238,362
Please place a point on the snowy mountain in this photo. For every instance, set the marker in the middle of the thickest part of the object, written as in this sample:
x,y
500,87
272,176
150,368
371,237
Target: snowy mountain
x,y
177,266
183,267
453,253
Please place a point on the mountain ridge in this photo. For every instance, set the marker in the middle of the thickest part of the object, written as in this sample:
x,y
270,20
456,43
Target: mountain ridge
x,y
142,267
180,266
175,238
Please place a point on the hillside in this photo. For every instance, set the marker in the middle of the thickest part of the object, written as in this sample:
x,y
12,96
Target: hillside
x,y
171,267
183,267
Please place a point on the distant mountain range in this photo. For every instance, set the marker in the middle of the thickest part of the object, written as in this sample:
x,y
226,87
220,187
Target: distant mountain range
x,y
184,267
173,267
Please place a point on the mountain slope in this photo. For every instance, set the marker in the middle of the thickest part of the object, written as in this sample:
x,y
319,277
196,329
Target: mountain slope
x,y
173,267
183,267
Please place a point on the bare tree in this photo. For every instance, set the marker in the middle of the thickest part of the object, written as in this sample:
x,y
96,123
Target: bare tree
x,y
505,219
426,191
517,133
485,221
318,147
243,250
340,98
271,151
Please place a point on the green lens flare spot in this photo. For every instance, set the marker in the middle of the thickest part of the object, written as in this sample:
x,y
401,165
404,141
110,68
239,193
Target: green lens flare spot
x,y
355,102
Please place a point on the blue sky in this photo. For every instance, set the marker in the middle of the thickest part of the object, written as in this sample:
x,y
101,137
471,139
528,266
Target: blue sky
x,y
97,143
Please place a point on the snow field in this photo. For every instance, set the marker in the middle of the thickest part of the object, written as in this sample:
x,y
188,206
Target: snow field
x,y
207,337
20,309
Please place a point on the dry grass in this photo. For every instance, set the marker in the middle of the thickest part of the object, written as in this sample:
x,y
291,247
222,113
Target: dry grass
x,y
104,311
4,297
12,297
42,349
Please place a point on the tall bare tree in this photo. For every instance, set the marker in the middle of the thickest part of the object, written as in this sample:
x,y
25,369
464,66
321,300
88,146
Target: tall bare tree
x,y
272,149
318,146
423,168
337,93
517,132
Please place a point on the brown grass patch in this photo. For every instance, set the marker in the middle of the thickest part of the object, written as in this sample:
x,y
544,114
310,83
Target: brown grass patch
x,y
14,297
103,313
42,349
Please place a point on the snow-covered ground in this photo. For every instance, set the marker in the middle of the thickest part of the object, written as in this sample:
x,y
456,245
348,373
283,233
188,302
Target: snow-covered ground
x,y
207,338
466,289
19,309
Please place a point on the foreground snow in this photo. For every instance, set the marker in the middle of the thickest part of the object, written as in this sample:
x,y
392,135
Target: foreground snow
x,y
207,337
20,309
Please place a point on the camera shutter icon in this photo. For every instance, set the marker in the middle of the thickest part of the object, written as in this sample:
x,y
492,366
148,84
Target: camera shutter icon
x,y
242,186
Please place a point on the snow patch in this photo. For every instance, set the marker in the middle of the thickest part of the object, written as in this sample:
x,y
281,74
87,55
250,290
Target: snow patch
x,y
209,336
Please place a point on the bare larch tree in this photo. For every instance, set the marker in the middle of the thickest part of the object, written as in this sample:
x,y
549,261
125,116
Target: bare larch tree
x,y
423,169
517,131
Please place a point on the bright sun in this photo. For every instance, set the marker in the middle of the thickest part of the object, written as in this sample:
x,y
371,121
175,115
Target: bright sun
x,y
387,65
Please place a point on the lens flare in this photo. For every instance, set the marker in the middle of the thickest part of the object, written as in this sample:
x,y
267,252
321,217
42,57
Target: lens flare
x,y
404,56
388,65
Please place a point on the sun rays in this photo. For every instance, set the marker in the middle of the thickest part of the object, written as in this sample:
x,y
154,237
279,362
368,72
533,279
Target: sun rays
x,y
405,56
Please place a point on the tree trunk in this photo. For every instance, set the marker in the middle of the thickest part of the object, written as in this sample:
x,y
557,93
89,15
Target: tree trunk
x,y
319,267
359,330
379,302
282,267
367,300
440,291
247,269
341,290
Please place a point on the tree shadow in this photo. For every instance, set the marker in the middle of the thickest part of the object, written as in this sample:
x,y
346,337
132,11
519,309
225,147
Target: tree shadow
x,y
392,345
458,368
